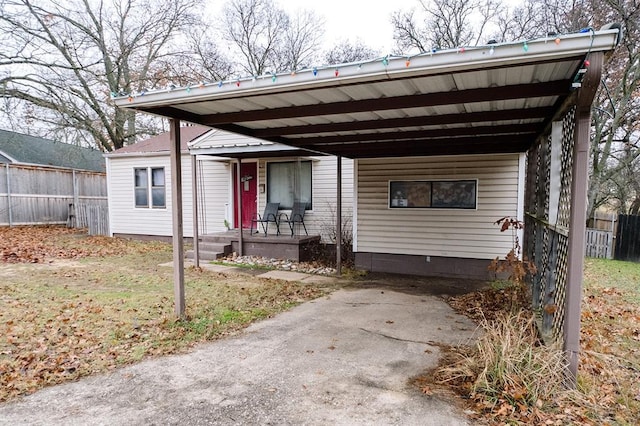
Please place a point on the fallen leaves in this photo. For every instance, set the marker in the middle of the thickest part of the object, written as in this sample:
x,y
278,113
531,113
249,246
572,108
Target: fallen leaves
x,y
113,308
609,372
38,244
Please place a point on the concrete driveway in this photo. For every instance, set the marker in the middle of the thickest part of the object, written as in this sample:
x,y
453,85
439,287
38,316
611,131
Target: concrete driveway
x,y
343,359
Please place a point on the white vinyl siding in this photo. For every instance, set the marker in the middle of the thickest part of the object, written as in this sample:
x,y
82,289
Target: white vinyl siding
x,y
125,218
324,189
437,232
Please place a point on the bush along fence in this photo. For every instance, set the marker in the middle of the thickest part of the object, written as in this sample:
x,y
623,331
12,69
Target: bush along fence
x,y
40,195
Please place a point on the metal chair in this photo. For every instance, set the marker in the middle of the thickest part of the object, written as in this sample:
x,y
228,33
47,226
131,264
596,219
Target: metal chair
x,y
297,216
270,215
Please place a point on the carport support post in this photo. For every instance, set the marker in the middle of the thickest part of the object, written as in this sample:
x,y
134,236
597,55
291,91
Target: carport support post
x,y
578,215
176,213
239,191
194,198
339,217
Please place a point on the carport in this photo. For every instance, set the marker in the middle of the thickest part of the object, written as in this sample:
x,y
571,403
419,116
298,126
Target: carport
x,y
500,98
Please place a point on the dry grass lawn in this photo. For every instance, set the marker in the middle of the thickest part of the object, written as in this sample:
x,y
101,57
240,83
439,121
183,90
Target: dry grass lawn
x,y
73,305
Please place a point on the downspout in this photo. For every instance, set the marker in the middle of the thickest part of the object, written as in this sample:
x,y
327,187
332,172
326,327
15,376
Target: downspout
x,y
194,197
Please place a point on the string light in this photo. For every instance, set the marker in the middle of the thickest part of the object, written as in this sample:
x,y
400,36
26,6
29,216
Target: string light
x,y
385,61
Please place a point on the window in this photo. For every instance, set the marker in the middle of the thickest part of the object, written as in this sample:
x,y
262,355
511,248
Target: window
x,y
449,194
150,185
288,182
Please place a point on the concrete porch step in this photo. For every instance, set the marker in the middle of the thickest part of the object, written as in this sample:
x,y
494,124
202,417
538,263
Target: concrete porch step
x,y
211,250
216,239
220,247
205,255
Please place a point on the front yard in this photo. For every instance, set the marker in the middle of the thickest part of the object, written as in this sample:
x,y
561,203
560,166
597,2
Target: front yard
x,y
72,305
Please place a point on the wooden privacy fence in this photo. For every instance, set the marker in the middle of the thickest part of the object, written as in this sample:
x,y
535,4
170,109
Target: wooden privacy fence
x,y
91,216
40,195
599,244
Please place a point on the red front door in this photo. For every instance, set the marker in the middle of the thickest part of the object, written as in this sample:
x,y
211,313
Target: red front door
x,y
249,191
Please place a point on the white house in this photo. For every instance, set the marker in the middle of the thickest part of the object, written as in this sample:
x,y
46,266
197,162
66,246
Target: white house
x,y
438,141
140,191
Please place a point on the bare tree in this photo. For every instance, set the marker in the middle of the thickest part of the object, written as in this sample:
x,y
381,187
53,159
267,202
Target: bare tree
x,y
267,39
446,24
301,41
256,28
615,145
347,51
66,59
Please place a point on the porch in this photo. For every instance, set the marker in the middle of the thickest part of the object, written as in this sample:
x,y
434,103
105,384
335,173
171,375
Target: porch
x,y
298,248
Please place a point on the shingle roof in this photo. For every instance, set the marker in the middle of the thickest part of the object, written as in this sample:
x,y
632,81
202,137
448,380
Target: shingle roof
x,y
160,143
20,148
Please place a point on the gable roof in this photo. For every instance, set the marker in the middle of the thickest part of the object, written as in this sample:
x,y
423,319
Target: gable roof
x,y
485,99
26,149
161,143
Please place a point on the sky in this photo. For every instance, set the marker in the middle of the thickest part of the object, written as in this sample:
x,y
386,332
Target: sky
x,y
351,19
368,20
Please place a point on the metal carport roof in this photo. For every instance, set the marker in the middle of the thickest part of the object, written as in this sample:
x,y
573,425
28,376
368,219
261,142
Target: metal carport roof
x,y
494,98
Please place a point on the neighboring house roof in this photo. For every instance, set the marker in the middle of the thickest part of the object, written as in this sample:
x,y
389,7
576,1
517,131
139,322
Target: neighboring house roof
x,y
26,149
161,142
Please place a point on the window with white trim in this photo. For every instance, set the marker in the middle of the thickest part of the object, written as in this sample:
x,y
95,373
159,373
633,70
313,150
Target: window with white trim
x,y
289,181
149,187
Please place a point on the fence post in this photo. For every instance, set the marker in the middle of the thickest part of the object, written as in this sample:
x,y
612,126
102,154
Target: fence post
x,y
76,198
9,195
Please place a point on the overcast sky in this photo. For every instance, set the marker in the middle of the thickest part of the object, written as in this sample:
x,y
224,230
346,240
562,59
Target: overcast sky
x,y
351,19
368,20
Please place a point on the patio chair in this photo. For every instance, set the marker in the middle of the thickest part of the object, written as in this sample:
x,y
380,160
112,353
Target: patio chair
x,y
297,216
270,215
